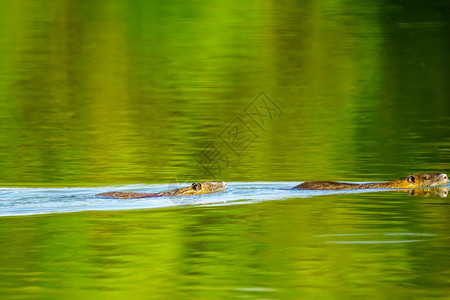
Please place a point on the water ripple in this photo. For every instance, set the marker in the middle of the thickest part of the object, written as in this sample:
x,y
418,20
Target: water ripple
x,y
30,201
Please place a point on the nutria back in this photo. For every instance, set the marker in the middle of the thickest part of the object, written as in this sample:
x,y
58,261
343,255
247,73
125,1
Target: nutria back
x,y
408,182
128,195
195,189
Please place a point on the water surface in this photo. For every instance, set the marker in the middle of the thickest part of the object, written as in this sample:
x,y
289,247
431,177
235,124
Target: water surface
x,y
252,241
139,95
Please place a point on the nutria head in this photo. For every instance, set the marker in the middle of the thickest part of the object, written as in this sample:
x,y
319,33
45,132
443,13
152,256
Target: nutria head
x,y
202,188
425,180
209,186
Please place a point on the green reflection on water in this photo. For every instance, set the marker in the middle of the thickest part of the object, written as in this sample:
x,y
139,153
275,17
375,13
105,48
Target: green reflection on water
x,y
132,91
96,92
275,249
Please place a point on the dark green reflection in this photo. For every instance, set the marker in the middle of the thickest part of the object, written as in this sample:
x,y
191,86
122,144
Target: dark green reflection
x,y
326,247
95,92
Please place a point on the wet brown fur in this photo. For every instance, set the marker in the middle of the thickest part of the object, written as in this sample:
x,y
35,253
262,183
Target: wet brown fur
x,y
408,182
195,189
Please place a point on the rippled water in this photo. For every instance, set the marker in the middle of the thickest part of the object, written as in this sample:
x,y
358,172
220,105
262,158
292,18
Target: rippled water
x,y
24,201
274,244
98,96
32,201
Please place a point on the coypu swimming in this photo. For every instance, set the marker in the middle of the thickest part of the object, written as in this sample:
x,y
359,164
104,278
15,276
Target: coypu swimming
x,y
195,189
408,182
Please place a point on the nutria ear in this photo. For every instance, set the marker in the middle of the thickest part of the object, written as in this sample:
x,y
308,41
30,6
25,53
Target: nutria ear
x,y
197,186
411,179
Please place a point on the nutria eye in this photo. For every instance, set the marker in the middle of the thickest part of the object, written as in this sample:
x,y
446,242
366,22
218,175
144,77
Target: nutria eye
x,y
411,179
427,177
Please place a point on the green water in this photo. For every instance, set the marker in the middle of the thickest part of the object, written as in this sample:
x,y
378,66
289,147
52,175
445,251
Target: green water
x,y
121,92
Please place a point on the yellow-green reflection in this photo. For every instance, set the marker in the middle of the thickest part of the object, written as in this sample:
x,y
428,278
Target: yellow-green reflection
x,y
332,246
99,92
131,91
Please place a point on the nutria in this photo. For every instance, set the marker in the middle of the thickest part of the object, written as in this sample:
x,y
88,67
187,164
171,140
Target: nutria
x,y
195,189
408,182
